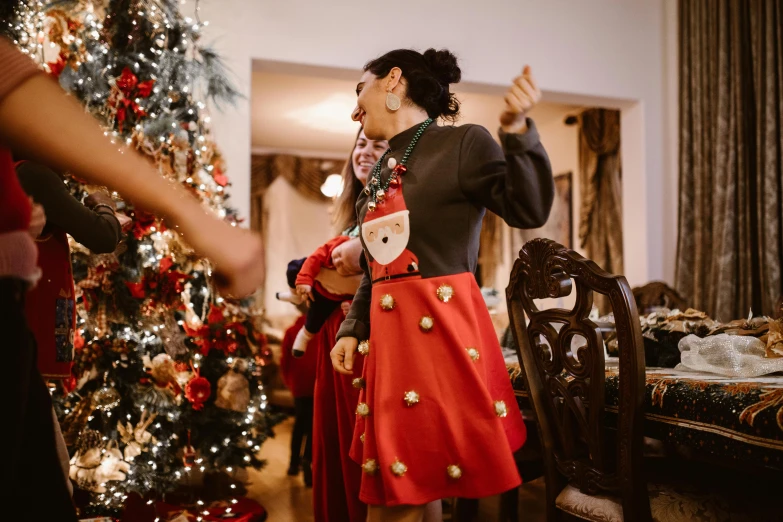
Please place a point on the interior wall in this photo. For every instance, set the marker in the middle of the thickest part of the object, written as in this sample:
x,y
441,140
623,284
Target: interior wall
x,y
580,52
296,226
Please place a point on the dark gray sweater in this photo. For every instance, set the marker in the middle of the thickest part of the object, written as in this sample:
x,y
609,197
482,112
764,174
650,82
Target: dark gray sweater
x,y
454,174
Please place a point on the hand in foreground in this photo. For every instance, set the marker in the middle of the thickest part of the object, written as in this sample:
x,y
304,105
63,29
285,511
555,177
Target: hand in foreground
x,y
99,198
342,355
346,257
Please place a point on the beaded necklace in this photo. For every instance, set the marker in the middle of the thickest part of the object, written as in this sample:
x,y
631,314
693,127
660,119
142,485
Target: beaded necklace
x,y
377,189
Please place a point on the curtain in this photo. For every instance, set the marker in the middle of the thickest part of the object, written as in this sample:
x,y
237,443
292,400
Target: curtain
x,y
731,84
601,216
306,175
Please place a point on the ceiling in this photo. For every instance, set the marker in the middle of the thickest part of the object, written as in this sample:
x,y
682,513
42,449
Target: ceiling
x,y
308,113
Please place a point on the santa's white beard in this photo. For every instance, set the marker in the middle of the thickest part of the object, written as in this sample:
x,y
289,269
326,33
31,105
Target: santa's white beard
x,y
395,244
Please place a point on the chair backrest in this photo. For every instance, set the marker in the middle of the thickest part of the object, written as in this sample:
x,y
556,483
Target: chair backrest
x,y
567,385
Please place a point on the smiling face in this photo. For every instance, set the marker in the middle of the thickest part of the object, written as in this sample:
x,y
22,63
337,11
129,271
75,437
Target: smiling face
x,y
387,237
371,109
365,155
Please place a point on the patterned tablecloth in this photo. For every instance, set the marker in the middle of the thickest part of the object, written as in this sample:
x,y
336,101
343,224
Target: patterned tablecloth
x,y
716,417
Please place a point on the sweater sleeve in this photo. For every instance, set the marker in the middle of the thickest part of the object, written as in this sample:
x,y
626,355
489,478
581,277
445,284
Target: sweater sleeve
x,y
321,258
15,67
99,231
514,182
357,322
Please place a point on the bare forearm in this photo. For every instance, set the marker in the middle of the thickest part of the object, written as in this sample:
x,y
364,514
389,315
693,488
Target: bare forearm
x,y
41,122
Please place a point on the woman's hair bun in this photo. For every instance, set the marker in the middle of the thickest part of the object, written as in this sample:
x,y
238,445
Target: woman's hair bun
x,y
443,65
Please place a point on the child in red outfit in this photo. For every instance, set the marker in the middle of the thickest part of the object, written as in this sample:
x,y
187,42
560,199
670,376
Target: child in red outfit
x,y
322,302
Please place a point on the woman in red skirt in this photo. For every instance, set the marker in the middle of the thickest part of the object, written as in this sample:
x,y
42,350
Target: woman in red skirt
x,y
337,478
436,416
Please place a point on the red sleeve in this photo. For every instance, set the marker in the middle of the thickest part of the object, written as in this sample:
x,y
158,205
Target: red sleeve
x,y
14,203
322,257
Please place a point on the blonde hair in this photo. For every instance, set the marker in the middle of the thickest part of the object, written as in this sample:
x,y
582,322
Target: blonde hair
x,y
345,207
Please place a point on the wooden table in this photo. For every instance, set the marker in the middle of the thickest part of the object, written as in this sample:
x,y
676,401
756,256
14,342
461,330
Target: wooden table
x,y
735,421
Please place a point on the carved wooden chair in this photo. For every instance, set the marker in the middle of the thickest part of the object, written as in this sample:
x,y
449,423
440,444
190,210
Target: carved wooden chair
x,y
592,471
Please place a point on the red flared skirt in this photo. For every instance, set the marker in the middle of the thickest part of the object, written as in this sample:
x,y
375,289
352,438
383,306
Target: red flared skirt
x,y
336,478
437,416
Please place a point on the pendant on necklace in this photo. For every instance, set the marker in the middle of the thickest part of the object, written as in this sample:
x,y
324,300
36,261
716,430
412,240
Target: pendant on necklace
x,y
392,163
399,170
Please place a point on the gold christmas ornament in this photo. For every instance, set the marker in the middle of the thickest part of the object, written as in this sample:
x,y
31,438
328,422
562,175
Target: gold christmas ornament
x,y
500,409
454,471
364,410
426,323
358,383
381,194
370,466
371,206
445,293
387,302
474,354
398,468
411,398
364,347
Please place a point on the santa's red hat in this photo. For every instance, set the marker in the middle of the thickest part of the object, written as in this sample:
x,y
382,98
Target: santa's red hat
x,y
392,203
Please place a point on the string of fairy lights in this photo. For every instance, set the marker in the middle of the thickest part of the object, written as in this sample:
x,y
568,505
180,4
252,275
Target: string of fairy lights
x,y
175,121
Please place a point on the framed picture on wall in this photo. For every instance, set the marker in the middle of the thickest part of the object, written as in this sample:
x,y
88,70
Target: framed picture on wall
x,y
559,227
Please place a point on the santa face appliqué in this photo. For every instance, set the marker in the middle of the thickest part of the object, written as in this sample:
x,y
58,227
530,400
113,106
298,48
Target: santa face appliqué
x,y
387,237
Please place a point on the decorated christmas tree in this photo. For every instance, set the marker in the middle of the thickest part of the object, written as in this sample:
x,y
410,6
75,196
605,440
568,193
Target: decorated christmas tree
x,y
167,374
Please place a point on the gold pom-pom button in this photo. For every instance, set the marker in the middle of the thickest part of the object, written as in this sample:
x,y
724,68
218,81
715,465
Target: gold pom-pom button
x,y
398,468
370,466
361,438
445,293
500,409
454,471
358,383
426,323
411,398
363,410
387,302
364,347
474,354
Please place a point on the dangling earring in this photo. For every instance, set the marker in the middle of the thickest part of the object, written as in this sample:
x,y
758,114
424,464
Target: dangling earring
x,y
392,101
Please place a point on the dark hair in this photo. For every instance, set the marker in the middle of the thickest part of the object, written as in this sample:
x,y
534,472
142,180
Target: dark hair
x,y
428,78
344,216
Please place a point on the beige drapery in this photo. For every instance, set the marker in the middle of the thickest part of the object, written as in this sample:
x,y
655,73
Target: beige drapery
x,y
306,175
600,222
731,115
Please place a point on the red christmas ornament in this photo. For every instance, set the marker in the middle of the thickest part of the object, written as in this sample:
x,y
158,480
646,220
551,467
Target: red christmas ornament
x,y
399,170
197,391
56,68
145,88
127,81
